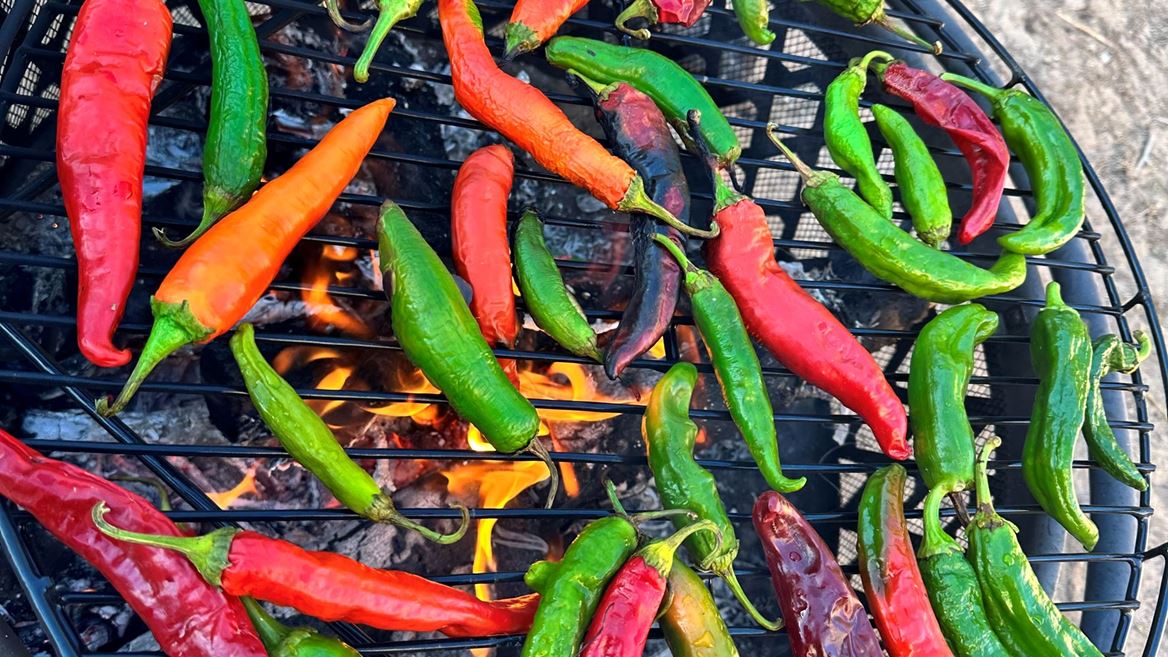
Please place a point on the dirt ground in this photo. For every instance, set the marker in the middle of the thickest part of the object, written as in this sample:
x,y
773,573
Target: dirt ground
x,y
1104,67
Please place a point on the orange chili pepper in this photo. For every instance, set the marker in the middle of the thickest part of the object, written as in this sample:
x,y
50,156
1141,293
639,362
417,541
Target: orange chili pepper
x,y
221,275
535,21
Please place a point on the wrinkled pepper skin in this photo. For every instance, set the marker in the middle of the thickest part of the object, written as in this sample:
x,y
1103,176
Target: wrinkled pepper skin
x,y
847,138
822,614
692,624
660,12
922,189
753,17
888,568
1109,355
535,21
115,61
283,641
939,373
1060,351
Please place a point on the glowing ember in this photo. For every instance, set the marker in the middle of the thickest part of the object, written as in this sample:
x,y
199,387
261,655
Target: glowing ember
x,y
322,272
225,499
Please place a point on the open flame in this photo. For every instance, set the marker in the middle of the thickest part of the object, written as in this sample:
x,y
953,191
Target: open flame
x,y
333,267
225,499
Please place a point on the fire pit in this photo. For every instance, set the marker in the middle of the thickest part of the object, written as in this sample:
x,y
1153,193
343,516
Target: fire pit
x,y
324,326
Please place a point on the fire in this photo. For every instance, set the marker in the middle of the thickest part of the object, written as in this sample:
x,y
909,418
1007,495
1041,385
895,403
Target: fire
x,y
226,498
323,272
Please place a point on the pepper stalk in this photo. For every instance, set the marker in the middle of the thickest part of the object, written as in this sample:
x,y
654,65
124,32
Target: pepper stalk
x,y
389,14
283,641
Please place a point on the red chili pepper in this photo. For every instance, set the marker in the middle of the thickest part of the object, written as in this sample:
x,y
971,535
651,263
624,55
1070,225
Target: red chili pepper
x,y
116,58
660,12
535,21
188,617
942,104
333,587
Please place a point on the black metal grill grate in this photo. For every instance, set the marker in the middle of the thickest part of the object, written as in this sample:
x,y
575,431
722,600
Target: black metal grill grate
x,y
783,84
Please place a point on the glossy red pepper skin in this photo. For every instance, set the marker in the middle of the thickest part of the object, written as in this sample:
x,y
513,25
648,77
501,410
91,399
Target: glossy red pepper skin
x,y
680,12
189,617
115,61
621,625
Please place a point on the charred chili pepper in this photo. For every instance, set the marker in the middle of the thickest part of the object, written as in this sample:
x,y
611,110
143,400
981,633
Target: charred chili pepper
x,y
737,368
670,436
546,297
847,138
116,59
941,104
620,626
692,624
938,376
221,275
660,12
521,113
535,21
823,616
389,14
865,12
333,587
310,441
478,233
1024,617
889,570
1110,354
1052,163
893,255
922,188
237,142
754,16
283,641
1060,351
188,617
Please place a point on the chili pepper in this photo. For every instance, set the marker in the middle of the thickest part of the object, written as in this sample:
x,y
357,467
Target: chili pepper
x,y
847,138
692,624
333,587
938,376
283,641
1024,617
639,135
922,189
310,441
893,255
660,12
941,104
823,616
221,275
535,21
673,88
1051,161
866,12
187,617
478,233
521,113
389,14
546,297
237,142
753,17
889,570
620,626
1110,354
953,589
1060,350
115,61
736,366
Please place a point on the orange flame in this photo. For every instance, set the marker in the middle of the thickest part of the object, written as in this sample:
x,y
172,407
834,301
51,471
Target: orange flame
x,y
226,498
322,309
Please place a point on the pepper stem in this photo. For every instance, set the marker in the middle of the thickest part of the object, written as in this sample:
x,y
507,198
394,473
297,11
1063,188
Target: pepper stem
x,y
637,9
993,93
659,554
881,19
879,68
731,578
807,172
334,12
600,90
936,540
636,200
981,479
675,251
614,499
208,553
537,448
724,195
272,632
1054,296
864,62
389,14
383,510
1127,358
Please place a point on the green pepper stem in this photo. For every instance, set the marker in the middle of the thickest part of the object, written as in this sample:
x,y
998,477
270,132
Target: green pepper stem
x,y
636,200
810,176
862,63
536,448
334,12
659,554
208,553
614,499
993,93
881,19
272,632
209,218
637,9
1127,358
518,39
879,68
675,251
724,195
1054,296
383,510
389,14
731,578
600,90
646,516
936,540
981,479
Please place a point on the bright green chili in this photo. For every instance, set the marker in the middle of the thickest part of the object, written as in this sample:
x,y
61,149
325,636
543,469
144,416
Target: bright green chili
x,y
282,641
754,16
864,12
922,188
736,366
1110,354
545,296
389,13
847,138
692,623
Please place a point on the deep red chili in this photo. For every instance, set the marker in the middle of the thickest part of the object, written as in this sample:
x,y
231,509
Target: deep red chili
x,y
187,616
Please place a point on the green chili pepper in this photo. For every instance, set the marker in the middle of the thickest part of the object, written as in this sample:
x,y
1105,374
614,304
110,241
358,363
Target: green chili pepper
x,y
683,484
942,362
674,90
847,138
282,641
892,254
865,12
1060,350
754,16
389,14
551,305
922,188
1110,354
1052,163
237,142
1023,616
736,366
309,440
953,589
692,624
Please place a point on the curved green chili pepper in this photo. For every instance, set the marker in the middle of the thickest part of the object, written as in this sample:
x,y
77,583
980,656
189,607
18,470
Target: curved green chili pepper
x,y
893,255
922,188
736,366
1060,350
237,142
692,623
282,641
754,16
1110,354
551,305
942,362
865,12
1052,163
389,14
683,484
673,88
847,138
309,440
1023,616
